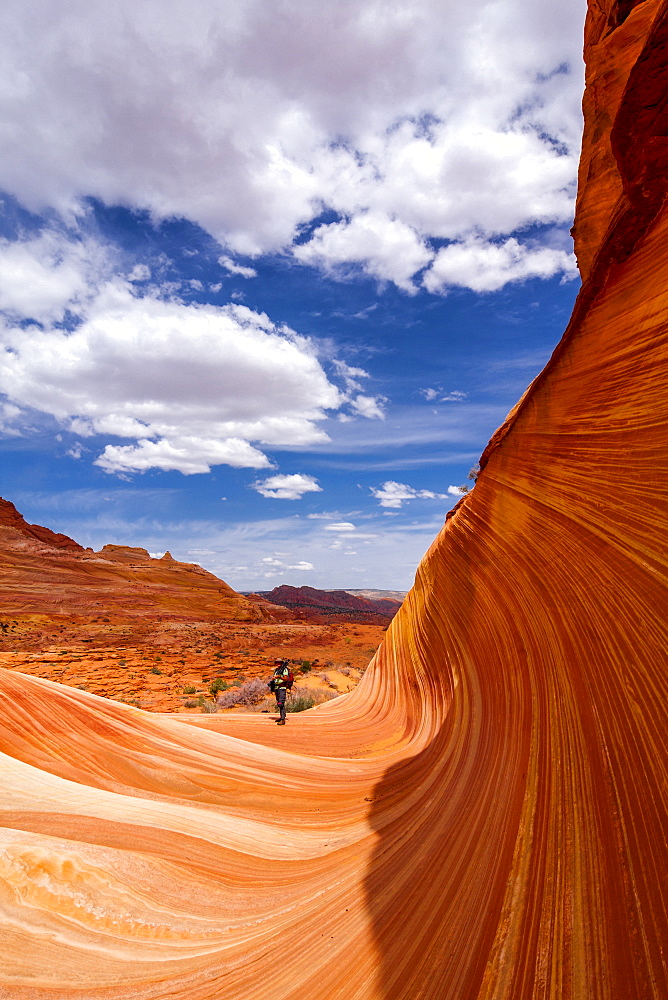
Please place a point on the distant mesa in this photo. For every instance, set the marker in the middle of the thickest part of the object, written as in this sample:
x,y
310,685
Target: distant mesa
x,y
322,606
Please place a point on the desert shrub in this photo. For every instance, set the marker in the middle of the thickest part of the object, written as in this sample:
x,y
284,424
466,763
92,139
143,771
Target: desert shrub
x,y
189,689
122,663
248,693
299,703
190,703
155,670
208,706
306,666
301,699
327,679
217,685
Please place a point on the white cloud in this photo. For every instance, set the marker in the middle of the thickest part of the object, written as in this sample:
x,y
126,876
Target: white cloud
x,y
188,455
412,121
9,417
287,487
140,272
370,407
43,276
456,396
393,494
385,248
194,385
232,268
343,526
485,267
350,375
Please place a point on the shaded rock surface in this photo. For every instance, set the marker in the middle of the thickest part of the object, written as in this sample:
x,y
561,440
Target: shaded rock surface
x,y
484,817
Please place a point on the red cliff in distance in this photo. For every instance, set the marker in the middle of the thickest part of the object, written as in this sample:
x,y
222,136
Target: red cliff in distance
x,y
324,606
45,573
485,816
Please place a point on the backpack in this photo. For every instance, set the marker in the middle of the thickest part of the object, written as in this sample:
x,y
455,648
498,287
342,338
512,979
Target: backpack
x,y
283,677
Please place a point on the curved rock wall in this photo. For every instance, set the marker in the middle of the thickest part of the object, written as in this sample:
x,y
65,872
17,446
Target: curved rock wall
x,y
485,816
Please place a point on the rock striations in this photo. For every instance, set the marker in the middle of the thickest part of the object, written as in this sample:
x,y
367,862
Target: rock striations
x,y
45,573
484,818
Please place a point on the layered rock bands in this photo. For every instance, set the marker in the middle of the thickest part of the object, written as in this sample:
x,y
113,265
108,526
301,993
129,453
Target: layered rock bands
x,y
484,817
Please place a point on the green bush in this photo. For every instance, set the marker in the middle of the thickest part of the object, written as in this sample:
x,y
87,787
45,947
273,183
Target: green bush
x,y
306,666
217,685
156,670
299,703
190,703
189,689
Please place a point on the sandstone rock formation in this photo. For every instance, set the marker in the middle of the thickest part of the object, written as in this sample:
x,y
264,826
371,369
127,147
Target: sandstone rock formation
x,y
324,606
43,573
485,816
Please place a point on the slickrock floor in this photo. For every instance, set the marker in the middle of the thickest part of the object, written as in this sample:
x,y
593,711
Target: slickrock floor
x,y
484,817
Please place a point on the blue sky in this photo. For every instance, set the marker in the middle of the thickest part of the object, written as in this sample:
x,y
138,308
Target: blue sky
x,y
270,276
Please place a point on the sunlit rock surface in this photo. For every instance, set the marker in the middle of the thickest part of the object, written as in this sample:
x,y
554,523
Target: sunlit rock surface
x,y
42,572
484,817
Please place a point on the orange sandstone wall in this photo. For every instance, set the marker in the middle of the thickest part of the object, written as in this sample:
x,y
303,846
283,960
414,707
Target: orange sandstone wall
x,y
484,818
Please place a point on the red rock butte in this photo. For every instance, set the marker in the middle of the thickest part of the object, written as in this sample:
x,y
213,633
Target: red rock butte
x,y
485,815
42,572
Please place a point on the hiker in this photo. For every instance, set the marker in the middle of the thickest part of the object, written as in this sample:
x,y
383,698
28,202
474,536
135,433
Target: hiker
x,y
280,684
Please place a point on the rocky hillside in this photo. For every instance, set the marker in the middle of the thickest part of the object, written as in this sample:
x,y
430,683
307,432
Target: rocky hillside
x,y
42,572
310,604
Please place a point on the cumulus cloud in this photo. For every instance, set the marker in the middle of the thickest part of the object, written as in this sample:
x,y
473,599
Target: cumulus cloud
x,y
385,248
485,267
287,487
193,385
393,494
410,121
43,275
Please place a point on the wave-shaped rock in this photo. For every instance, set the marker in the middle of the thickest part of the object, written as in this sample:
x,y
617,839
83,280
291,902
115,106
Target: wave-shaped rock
x,y
485,815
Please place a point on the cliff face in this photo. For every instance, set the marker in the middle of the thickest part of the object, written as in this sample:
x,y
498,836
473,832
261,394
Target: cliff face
x,y
42,572
324,606
10,518
485,816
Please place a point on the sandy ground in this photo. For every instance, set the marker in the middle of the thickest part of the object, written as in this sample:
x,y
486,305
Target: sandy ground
x,y
168,666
